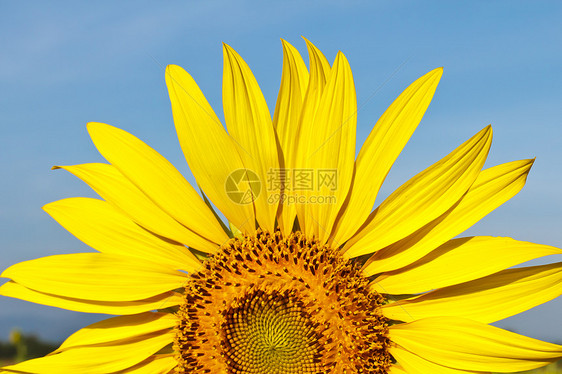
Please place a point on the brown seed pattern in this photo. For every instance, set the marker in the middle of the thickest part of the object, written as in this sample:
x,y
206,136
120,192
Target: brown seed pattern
x,y
269,304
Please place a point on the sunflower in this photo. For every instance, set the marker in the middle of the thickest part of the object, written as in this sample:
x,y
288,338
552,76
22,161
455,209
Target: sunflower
x,y
306,277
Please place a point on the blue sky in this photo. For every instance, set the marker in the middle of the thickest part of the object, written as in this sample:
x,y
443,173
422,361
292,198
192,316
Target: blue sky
x,y
63,64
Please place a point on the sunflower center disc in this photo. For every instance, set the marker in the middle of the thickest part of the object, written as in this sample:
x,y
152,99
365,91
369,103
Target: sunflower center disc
x,y
281,305
270,333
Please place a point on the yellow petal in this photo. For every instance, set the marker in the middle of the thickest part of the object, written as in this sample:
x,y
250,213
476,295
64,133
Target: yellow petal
x,y
157,178
487,299
383,145
492,187
424,197
106,358
414,364
162,301
294,81
102,227
460,260
248,121
395,369
464,344
113,187
210,152
114,329
155,364
214,211
330,152
319,71
95,276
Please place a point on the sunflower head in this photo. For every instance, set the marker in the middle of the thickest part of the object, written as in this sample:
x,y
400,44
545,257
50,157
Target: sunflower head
x,y
306,277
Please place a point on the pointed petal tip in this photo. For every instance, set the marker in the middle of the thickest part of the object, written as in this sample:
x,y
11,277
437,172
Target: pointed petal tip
x,y
227,48
55,167
487,130
529,165
434,76
229,52
286,45
173,71
340,56
170,68
97,130
47,207
437,72
96,126
309,44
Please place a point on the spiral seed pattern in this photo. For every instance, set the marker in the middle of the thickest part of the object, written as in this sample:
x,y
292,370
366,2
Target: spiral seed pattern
x,y
266,303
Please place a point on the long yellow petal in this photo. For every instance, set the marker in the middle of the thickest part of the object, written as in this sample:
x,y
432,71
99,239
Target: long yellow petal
x,y
157,178
95,276
423,198
210,152
155,364
102,227
468,345
294,81
97,359
487,299
330,152
383,145
492,187
319,71
162,301
113,187
414,364
114,329
460,260
248,121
